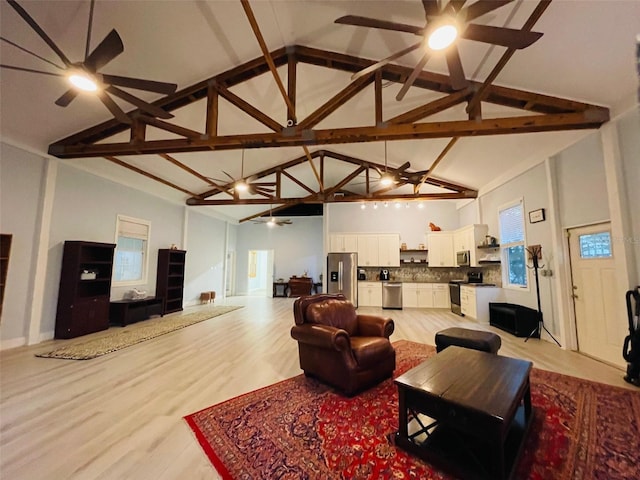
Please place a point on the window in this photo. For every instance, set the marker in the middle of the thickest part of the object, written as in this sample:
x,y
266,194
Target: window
x,y
512,244
595,245
132,238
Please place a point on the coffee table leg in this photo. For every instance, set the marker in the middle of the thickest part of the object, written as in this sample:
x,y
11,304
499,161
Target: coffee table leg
x,y
403,428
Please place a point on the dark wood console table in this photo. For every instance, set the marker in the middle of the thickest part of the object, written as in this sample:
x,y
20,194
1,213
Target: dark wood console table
x,y
466,411
300,286
124,312
280,289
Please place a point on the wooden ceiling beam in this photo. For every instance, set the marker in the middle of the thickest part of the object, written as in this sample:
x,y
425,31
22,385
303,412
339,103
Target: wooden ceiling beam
x,y
247,108
433,107
194,201
593,118
334,103
509,97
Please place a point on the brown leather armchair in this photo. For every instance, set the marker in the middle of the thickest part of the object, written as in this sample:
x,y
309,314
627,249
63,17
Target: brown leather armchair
x,y
340,347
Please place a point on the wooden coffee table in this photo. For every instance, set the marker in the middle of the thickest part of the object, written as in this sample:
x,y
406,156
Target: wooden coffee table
x,y
466,411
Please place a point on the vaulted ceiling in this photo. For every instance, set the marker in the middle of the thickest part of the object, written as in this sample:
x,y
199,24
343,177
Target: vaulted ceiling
x,y
265,93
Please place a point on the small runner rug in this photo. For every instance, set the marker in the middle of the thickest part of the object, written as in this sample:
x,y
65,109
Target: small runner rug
x,y
117,338
301,429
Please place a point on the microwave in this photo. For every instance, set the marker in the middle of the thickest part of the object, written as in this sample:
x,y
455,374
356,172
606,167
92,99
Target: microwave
x,y
463,258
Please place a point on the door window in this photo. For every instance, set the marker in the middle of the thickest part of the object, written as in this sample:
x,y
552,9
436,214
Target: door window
x,y
595,245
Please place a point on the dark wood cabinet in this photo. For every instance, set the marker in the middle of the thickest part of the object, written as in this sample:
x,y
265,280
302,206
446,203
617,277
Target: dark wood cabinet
x,y
170,278
5,250
300,286
85,287
124,312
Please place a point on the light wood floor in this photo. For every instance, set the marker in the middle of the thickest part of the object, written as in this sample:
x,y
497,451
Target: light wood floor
x,y
120,416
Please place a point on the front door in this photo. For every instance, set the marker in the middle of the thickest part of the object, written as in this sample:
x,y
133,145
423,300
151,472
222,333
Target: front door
x,y
595,295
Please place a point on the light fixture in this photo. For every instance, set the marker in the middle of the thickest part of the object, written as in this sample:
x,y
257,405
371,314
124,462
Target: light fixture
x,y
83,81
386,204
420,205
363,206
386,180
398,205
375,205
271,222
407,205
443,36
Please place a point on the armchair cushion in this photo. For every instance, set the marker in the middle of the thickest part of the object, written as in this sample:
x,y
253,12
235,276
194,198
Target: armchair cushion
x,y
335,313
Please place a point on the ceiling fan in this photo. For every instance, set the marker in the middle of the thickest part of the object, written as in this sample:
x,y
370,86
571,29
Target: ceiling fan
x,y
272,221
248,184
85,75
445,22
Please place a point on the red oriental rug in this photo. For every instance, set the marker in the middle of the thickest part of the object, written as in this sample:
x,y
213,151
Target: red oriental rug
x,y
302,429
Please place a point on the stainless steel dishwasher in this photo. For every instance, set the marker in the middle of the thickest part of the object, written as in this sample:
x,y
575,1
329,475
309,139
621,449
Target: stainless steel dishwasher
x,y
392,295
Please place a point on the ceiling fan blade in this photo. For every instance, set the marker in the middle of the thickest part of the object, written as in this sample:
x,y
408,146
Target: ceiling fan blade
x,y
32,23
232,179
457,4
110,47
67,97
31,70
140,84
431,7
31,53
412,78
141,104
383,62
506,37
401,168
113,107
374,23
456,71
482,7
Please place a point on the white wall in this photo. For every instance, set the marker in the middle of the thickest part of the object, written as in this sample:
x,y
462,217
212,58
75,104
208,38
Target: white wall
x,y
532,187
21,178
84,207
581,183
629,140
297,248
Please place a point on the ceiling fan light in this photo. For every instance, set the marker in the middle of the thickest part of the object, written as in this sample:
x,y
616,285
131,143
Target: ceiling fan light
x,y
443,36
241,186
83,81
386,180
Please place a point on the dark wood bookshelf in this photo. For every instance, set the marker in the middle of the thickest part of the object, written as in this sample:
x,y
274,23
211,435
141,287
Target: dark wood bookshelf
x,y
5,251
85,288
170,278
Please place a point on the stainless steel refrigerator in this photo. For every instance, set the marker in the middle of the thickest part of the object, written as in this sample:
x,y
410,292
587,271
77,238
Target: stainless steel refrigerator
x,y
342,273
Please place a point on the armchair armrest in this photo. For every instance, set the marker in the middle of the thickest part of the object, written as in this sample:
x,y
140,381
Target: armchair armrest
x,y
374,326
323,336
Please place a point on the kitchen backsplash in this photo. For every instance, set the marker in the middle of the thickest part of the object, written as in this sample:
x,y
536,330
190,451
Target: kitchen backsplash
x,y
419,273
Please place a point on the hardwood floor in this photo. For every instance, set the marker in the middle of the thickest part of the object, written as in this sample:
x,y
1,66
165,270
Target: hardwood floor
x,y
119,416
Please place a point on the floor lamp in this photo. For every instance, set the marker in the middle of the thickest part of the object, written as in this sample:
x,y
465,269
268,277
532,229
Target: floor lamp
x,y
535,253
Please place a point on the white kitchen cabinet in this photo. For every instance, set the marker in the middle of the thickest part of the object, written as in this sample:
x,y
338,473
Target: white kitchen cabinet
x,y
468,238
425,295
417,295
441,252
389,250
368,251
474,301
440,292
369,294
340,242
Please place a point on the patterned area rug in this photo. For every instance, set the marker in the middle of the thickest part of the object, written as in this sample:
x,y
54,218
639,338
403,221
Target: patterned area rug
x,y
117,338
301,429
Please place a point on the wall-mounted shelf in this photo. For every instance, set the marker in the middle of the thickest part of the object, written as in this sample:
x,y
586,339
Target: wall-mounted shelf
x,y
488,261
488,247
424,250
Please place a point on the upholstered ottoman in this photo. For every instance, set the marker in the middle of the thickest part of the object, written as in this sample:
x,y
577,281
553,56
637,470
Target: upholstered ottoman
x,y
463,337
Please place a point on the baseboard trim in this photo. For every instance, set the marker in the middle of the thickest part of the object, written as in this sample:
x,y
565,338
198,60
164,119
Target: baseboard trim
x,y
13,343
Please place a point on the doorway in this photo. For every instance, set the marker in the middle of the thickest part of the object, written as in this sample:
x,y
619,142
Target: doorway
x,y
599,332
260,273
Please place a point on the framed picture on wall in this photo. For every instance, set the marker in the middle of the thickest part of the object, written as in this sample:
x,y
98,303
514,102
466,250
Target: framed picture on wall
x,y
536,216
